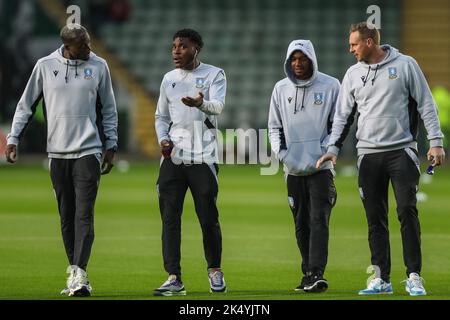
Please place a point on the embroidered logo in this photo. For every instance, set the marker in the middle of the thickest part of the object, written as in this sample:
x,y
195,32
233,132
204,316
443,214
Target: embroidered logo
x,y
290,99
87,73
393,73
55,73
318,98
200,82
173,85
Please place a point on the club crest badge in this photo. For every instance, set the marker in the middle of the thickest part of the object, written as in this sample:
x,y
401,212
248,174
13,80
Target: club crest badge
x,y
318,98
200,82
88,74
393,73
289,99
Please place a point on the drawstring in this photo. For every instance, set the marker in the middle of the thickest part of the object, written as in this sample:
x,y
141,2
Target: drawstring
x,y
364,79
67,72
376,69
295,108
303,99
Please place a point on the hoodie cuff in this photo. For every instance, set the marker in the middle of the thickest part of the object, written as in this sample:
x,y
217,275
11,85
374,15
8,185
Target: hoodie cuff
x,y
12,140
282,154
110,144
436,143
333,149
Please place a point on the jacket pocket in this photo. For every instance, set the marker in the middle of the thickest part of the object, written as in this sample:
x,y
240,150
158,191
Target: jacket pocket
x,y
383,131
71,134
301,157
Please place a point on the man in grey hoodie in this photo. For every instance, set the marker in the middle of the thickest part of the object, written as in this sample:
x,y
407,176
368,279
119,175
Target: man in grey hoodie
x,y
389,92
81,116
300,117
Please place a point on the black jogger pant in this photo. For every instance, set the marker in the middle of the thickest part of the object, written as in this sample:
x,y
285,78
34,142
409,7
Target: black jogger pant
x,y
401,167
311,199
75,182
172,185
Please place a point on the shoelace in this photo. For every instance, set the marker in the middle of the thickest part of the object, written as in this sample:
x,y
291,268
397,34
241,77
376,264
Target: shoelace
x,y
417,282
216,278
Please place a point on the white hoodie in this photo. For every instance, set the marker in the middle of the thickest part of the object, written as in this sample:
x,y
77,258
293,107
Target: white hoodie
x,y
301,115
192,130
78,102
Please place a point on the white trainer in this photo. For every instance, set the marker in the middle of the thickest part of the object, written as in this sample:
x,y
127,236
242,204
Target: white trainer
x,y
414,285
81,286
71,270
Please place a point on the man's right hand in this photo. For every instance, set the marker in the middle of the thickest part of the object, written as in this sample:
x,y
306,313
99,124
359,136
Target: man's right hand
x,y
166,148
327,156
11,153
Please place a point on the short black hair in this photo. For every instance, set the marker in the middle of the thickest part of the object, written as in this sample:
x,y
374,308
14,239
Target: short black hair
x,y
191,34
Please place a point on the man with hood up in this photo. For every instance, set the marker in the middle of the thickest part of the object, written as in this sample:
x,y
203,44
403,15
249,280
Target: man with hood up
x,y
301,113
81,116
389,92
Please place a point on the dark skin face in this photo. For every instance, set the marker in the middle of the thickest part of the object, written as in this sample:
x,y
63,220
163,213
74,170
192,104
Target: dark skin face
x,y
301,65
79,49
184,54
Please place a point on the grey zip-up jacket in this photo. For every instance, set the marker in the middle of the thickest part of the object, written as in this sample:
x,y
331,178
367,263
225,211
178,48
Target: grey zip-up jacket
x,y
389,97
301,114
79,106
192,130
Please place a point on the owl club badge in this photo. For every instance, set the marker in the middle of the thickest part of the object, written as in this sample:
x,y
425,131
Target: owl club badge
x,y
393,73
200,82
318,98
88,74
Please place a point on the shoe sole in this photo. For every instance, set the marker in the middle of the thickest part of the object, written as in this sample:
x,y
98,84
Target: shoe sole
x,y
374,294
415,294
317,287
83,292
169,293
299,290
224,290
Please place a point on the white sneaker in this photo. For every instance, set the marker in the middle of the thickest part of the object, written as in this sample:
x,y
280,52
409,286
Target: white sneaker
x,y
216,281
414,285
71,270
81,286
171,287
377,286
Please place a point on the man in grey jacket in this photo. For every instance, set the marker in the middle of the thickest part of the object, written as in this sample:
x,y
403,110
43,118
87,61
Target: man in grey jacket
x,y
190,99
80,111
389,92
301,113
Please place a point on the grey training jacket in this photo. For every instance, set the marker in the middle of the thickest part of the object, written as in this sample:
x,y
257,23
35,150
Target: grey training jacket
x,y
300,116
388,97
78,102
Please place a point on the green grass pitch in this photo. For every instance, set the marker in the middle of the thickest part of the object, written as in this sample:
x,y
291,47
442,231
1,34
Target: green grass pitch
x,y
260,258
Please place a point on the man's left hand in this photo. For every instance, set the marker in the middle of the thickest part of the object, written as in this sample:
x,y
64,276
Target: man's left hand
x,y
193,102
107,164
436,155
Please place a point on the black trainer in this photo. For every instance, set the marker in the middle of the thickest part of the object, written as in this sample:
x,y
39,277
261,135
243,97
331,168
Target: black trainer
x,y
302,284
316,284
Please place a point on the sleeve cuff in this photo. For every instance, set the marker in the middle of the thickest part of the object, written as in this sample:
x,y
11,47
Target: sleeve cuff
x,y
110,144
282,154
436,143
12,140
163,138
333,149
